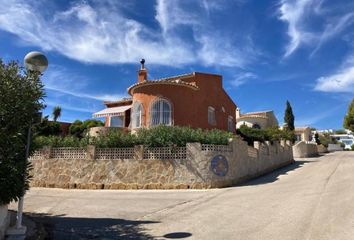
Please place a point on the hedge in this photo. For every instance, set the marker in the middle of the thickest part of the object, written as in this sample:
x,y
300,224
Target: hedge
x,y
251,135
160,136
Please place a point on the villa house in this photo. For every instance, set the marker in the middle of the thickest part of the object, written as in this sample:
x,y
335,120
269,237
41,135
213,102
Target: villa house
x,y
260,120
195,99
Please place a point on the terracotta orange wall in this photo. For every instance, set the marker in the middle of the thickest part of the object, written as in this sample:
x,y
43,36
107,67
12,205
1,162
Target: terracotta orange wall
x,y
190,107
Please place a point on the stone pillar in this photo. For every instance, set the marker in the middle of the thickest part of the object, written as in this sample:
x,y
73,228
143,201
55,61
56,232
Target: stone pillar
x,y
256,145
47,150
139,152
193,150
91,152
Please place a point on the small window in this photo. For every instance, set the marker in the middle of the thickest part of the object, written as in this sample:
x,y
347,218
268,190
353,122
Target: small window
x,y
160,113
137,113
230,124
116,121
211,116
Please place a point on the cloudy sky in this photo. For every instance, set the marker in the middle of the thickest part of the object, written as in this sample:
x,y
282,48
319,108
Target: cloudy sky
x,y
267,51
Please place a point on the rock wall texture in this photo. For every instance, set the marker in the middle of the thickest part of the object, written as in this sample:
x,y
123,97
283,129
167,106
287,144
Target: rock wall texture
x,y
195,166
4,220
304,149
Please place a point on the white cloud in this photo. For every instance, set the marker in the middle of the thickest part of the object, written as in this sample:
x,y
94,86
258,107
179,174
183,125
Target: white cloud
x,y
242,78
341,81
300,14
61,80
97,32
334,28
292,12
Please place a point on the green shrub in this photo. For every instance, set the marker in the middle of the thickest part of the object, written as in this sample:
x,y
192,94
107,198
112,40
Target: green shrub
x,y
251,135
159,136
47,128
79,128
353,147
21,99
326,139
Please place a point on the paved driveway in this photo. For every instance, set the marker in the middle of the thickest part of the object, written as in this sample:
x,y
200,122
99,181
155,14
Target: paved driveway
x,y
310,199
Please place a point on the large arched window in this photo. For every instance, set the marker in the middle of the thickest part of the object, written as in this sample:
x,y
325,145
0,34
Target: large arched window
x,y
160,113
137,113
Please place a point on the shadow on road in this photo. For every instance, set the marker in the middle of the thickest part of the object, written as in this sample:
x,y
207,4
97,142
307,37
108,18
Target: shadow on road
x,y
61,227
273,176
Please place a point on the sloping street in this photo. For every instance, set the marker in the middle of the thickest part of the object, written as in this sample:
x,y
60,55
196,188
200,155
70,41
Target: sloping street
x,y
310,199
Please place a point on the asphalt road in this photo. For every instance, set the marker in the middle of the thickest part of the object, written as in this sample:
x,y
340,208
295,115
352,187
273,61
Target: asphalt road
x,y
310,199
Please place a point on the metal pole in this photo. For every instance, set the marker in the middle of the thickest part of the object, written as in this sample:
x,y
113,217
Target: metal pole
x,y
20,202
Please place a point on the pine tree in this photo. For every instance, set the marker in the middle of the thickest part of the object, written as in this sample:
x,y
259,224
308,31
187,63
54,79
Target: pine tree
x,y
349,118
289,118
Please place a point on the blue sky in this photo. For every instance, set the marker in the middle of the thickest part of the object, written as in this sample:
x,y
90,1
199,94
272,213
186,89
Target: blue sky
x,y
267,51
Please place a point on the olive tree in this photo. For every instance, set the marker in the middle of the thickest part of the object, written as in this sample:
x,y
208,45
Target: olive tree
x,y
21,99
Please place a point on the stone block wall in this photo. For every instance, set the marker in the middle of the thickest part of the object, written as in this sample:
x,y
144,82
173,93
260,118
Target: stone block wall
x,y
304,149
4,220
194,166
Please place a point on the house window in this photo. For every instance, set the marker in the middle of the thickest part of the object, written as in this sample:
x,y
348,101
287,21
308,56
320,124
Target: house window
x,y
211,116
230,124
137,115
160,113
256,126
116,121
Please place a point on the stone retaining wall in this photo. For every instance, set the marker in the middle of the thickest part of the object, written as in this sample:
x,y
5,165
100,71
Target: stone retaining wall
x,y
194,166
4,220
304,149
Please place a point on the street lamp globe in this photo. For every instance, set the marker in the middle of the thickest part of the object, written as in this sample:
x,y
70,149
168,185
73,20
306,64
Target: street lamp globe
x,y
36,61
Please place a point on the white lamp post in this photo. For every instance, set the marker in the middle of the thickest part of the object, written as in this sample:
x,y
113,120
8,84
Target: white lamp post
x,y
37,62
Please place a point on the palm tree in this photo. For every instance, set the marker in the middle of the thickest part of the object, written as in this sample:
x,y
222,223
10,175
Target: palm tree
x,y
56,113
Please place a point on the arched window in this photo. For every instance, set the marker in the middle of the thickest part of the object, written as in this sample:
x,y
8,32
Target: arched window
x,y
137,113
160,113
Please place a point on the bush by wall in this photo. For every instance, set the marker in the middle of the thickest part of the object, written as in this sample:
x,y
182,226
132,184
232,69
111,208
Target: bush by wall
x,y
159,136
251,135
20,101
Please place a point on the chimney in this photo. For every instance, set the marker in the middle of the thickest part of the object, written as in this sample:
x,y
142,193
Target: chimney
x,y
142,74
238,113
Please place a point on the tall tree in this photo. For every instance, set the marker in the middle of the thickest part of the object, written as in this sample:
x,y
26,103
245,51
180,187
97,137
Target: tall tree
x,y
349,118
289,118
21,100
56,113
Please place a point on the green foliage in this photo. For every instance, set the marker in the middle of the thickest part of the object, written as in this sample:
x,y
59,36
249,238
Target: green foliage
x,y
340,131
317,139
58,141
352,147
270,134
79,129
47,128
289,118
349,118
56,113
21,99
159,136
166,136
326,139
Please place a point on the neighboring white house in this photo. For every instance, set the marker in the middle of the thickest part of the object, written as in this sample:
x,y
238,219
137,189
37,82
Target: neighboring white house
x,y
347,139
258,120
303,134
